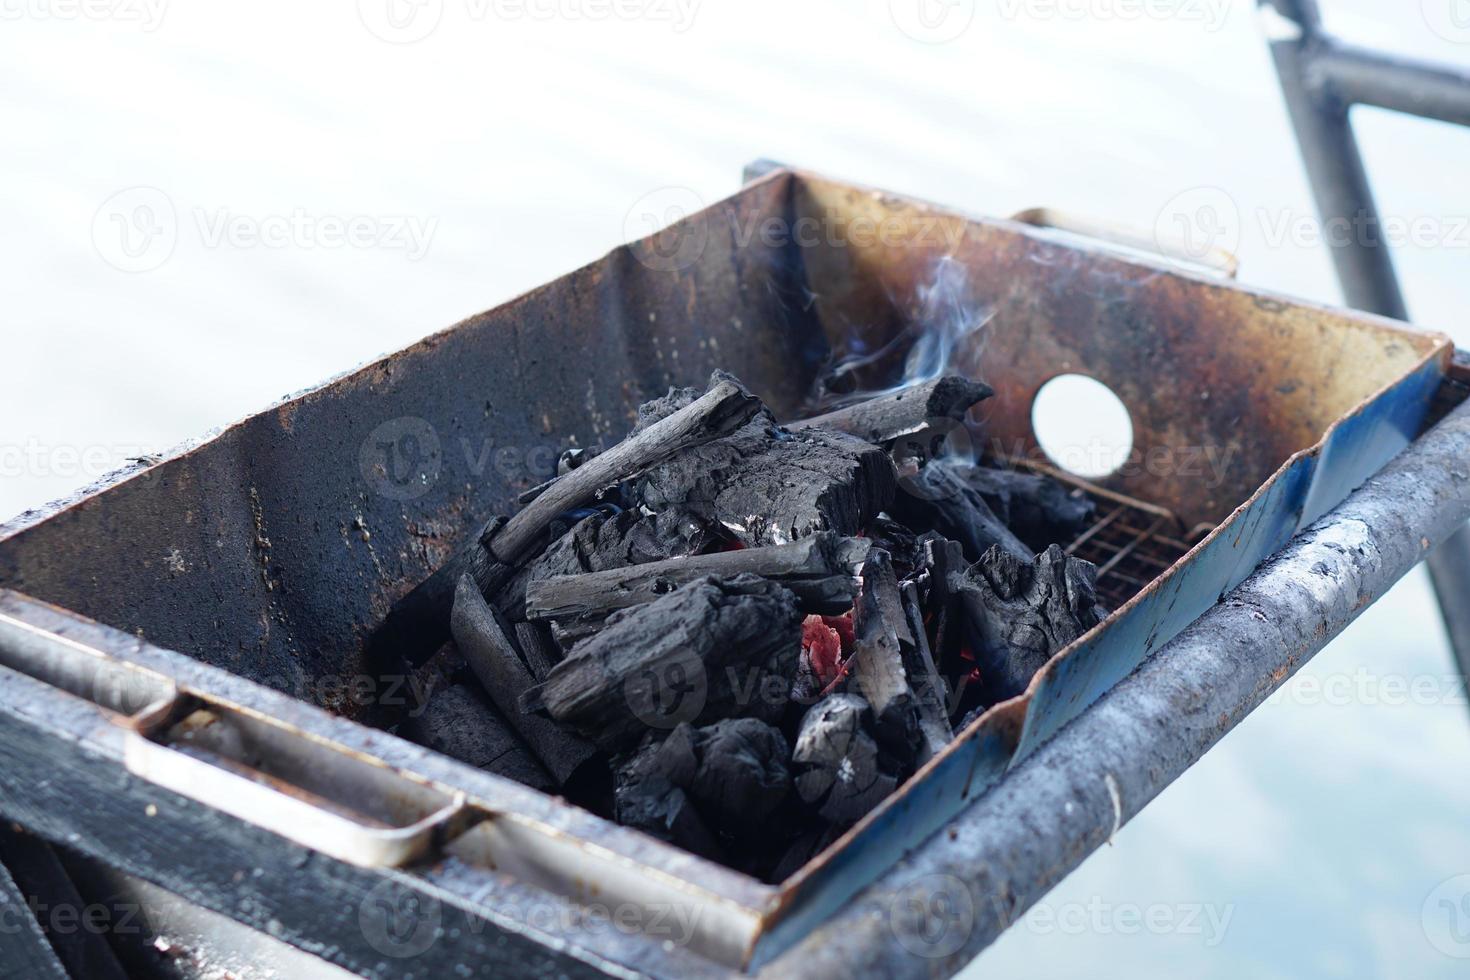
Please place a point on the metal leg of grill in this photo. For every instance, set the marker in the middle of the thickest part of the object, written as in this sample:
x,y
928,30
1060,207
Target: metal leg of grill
x,y
1322,79
1449,569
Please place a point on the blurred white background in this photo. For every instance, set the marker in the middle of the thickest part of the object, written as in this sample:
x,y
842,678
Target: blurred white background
x,y
180,177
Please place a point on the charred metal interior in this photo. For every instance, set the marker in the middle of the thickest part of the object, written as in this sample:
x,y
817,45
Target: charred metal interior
x,y
196,629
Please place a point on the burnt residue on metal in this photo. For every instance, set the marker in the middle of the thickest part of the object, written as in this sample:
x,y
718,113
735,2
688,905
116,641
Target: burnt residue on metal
x,y
273,549
1222,384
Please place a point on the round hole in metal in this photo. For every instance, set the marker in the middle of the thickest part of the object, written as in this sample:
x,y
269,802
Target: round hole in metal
x,y
1082,426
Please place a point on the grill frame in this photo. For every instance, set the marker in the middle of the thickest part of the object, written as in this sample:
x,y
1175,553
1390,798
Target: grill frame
x,y
748,923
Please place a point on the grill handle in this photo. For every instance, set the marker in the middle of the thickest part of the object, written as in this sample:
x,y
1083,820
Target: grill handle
x,y
214,776
1218,260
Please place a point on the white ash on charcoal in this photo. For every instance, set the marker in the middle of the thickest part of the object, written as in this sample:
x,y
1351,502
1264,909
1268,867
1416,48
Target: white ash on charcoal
x,y
771,486
1018,614
819,571
735,635
418,624
733,774
878,672
906,411
838,768
894,670
601,541
714,648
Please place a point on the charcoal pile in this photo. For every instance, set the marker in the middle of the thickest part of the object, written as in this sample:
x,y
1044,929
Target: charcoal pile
x,y
738,635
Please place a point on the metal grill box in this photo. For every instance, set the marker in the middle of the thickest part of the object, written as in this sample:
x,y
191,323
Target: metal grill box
x,y
228,587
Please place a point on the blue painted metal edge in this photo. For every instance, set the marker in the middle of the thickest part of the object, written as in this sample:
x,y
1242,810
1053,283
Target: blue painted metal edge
x,y
1306,486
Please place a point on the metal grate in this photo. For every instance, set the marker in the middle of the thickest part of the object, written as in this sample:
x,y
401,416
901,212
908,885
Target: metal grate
x,y
1131,543
1131,546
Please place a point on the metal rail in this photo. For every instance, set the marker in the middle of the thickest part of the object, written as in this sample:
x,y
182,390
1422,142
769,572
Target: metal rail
x,y
1322,79
942,905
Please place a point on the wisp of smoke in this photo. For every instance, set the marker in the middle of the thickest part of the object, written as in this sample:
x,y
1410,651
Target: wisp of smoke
x,y
943,321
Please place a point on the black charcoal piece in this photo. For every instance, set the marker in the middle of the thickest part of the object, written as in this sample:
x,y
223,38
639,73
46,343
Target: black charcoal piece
x,y
940,498
904,412
600,542
1039,510
731,777
1017,614
769,486
736,770
712,649
836,760
931,694
538,649
721,410
878,672
646,799
418,624
819,570
902,544
569,460
485,639
459,721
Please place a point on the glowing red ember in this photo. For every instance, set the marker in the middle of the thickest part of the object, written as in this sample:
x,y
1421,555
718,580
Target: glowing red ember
x,y
821,645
